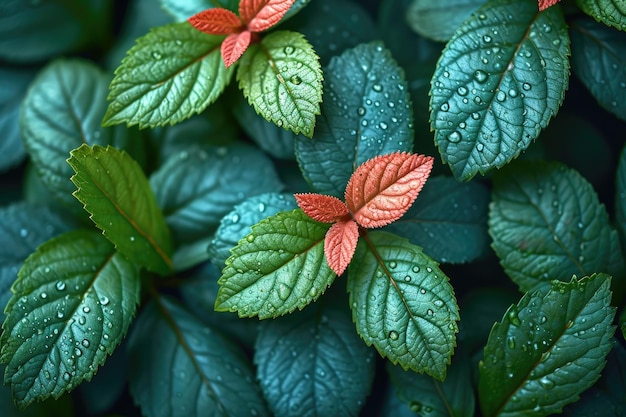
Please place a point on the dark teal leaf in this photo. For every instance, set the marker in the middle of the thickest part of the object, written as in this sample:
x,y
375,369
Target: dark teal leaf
x,y
439,20
498,82
392,406
236,225
366,112
547,349
448,220
403,304
547,223
610,12
599,61
72,304
179,367
313,363
183,10
198,186
49,408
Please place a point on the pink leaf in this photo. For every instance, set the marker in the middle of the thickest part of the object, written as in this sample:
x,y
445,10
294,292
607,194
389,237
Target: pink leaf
x,y
234,46
322,208
260,15
544,4
383,188
216,21
340,244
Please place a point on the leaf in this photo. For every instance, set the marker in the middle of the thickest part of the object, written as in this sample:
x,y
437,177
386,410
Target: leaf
x,y
117,195
547,223
547,349
171,73
197,369
65,318
235,225
383,188
366,112
234,46
340,243
403,304
216,21
544,4
322,208
610,12
278,267
49,408
262,15
313,364
438,20
620,194
497,84
448,220
282,78
599,61
198,186
183,10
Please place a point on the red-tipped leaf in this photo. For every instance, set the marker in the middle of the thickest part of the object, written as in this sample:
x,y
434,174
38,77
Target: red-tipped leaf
x,y
383,188
216,21
544,4
234,46
322,208
340,244
260,15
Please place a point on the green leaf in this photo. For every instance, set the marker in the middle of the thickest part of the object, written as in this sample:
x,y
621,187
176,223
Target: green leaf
x,y
427,396
72,304
403,304
236,225
547,223
439,20
620,194
547,349
62,110
49,408
448,220
117,195
366,112
313,363
198,186
610,12
498,82
278,267
599,60
180,366
282,78
172,73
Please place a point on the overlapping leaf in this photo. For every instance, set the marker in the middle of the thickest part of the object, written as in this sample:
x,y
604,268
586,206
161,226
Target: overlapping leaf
x,y
547,223
403,304
498,82
72,304
117,195
438,20
610,12
548,349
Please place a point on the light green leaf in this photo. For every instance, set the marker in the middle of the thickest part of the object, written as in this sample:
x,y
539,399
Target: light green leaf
x,y
498,82
599,60
610,12
172,73
180,367
366,112
547,349
547,223
282,78
72,304
438,20
313,363
403,304
117,195
278,267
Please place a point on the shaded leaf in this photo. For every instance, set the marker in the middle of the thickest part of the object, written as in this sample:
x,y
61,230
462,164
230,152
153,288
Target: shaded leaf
x,y
547,349
65,318
278,267
498,82
322,208
547,223
610,12
438,20
185,9
340,243
171,73
117,195
403,304
49,408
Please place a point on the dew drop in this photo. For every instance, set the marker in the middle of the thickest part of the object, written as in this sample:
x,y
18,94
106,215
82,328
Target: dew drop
x,y
415,269
361,111
526,86
480,76
407,278
43,295
393,335
86,309
296,80
487,39
104,300
78,352
546,383
445,107
156,55
475,116
393,265
513,316
283,291
511,342
67,377
250,238
454,137
438,303
377,87
289,50
480,147
60,285
513,92
501,96
85,343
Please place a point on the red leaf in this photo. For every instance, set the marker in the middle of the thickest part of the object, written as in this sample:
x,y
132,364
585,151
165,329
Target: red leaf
x,y
383,188
322,208
544,4
216,21
234,46
260,15
340,244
